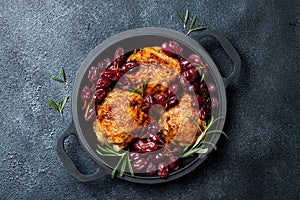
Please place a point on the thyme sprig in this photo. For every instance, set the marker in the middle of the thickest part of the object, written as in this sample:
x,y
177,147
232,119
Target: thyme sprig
x,y
197,147
124,158
59,106
134,87
63,76
192,27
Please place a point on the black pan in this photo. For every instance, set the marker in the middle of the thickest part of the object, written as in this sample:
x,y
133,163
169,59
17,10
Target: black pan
x,y
135,39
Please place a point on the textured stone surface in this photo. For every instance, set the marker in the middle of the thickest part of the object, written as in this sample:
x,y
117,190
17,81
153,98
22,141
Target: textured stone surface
x,y
261,159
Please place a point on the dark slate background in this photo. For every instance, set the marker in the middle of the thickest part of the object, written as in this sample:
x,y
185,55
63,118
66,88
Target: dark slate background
x,y
259,161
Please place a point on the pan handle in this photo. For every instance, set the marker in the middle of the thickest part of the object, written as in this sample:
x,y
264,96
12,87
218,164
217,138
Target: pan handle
x,y
68,163
230,50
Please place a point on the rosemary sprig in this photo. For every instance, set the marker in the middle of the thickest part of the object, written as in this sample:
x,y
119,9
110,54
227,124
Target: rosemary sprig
x,y
63,76
186,17
134,87
124,158
192,27
197,147
59,106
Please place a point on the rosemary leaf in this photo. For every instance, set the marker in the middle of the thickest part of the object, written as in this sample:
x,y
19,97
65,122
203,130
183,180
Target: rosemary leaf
x,y
193,22
202,150
179,17
129,165
102,149
196,29
202,77
63,75
52,103
105,154
58,79
123,165
190,152
113,173
213,145
186,18
106,143
218,131
64,103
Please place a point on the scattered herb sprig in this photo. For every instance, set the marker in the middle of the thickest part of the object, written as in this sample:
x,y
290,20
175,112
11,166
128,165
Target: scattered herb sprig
x,y
185,20
59,106
134,87
192,27
124,158
63,76
197,147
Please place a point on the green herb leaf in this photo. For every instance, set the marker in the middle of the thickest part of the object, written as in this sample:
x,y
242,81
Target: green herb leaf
x,y
52,103
63,75
64,103
193,22
134,88
213,145
218,131
58,79
196,29
102,149
201,74
205,150
179,17
113,173
186,18
123,166
129,165
124,159
59,106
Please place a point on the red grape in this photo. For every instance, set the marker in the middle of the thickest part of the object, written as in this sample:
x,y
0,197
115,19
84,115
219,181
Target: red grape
x,y
190,74
202,114
172,101
93,74
128,66
99,95
174,163
119,52
161,100
172,90
103,82
171,48
151,168
211,87
158,158
163,170
185,64
85,93
195,59
112,75
103,64
139,164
